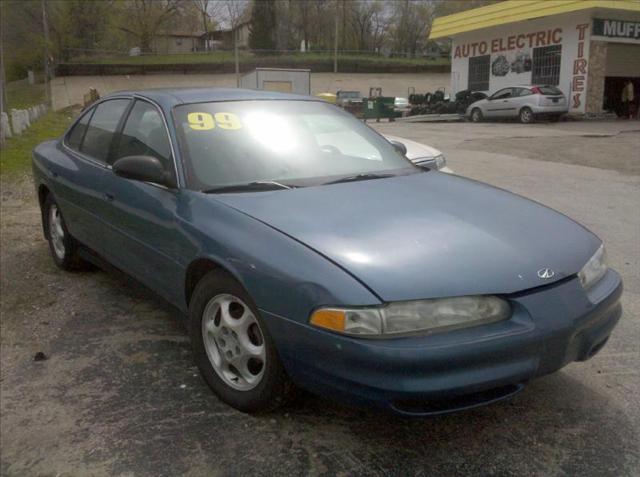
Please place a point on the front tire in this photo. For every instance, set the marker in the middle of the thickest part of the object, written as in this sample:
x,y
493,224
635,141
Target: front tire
x,y
232,346
476,115
63,247
526,116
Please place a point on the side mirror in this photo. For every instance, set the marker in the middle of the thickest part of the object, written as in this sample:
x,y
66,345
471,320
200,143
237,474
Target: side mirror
x,y
401,148
143,168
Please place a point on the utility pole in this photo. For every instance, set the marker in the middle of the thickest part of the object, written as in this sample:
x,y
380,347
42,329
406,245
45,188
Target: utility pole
x,y
335,42
45,29
3,89
235,54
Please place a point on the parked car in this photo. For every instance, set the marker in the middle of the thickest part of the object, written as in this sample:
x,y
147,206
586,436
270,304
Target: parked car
x,y
523,102
303,249
401,105
328,97
346,98
421,154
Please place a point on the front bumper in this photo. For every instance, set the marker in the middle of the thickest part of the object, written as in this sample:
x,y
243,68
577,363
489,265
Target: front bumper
x,y
551,326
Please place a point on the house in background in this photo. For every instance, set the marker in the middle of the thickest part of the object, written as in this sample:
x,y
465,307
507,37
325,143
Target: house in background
x,y
223,39
438,49
176,42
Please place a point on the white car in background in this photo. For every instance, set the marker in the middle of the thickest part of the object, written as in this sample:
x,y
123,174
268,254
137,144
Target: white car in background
x,y
421,154
401,105
523,102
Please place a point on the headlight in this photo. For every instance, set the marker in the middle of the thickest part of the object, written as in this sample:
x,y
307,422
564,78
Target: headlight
x,y
436,161
424,316
595,268
440,161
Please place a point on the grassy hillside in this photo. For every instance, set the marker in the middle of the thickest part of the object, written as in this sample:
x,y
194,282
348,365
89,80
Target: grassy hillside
x,y
16,155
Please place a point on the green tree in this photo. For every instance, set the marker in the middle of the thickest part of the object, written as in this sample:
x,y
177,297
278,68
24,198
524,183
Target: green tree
x,y
263,25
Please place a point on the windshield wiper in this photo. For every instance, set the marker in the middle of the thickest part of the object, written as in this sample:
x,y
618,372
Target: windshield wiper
x,y
360,177
250,186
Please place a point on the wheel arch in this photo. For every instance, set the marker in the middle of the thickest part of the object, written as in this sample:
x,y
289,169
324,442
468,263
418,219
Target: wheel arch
x,y
526,106
43,193
197,269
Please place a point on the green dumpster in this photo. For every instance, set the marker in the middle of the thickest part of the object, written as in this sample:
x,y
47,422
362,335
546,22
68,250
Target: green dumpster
x,y
379,107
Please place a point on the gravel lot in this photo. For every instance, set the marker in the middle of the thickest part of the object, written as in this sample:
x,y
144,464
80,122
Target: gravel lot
x,y
119,395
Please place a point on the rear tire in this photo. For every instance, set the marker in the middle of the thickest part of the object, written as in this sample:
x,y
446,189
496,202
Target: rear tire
x,y
476,115
63,247
238,361
526,116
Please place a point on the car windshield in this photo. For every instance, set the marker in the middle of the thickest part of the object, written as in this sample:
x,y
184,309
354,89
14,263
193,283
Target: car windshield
x,y
291,143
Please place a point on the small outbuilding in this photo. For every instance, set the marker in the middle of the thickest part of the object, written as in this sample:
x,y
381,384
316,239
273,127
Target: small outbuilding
x,y
588,48
296,81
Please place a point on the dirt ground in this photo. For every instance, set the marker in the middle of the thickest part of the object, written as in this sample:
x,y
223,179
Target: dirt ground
x,y
119,394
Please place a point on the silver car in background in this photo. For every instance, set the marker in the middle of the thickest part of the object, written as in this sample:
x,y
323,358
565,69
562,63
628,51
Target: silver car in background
x,y
522,102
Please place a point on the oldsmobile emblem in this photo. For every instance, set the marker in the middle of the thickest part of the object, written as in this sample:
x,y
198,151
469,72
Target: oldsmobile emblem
x,y
545,273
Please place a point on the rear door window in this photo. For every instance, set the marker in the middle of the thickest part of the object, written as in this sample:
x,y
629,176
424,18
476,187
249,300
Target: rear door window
x,y
76,135
104,122
523,92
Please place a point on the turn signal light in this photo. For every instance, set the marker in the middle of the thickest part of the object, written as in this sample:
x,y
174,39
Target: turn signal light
x,y
330,319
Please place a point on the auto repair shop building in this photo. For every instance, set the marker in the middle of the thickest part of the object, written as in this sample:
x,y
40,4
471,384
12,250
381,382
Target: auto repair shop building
x,y
587,48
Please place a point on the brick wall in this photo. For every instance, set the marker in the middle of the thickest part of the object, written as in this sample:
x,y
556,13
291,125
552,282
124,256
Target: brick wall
x,y
596,72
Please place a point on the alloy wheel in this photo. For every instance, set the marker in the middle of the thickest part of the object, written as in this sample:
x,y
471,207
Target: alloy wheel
x,y
56,231
234,342
526,116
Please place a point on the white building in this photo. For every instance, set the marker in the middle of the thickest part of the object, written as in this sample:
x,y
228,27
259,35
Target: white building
x,y
588,48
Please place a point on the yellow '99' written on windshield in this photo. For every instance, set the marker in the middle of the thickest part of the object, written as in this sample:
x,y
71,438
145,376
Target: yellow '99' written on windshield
x,y
206,121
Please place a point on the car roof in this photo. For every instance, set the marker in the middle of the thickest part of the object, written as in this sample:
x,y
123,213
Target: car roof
x,y
169,97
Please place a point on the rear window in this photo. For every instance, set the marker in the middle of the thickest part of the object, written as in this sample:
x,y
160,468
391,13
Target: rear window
x,y
552,90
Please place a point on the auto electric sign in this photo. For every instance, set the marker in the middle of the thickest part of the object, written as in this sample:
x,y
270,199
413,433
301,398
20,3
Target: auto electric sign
x,y
616,29
513,42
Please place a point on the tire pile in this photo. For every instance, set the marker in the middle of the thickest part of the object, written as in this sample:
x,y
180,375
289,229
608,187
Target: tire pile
x,y
438,103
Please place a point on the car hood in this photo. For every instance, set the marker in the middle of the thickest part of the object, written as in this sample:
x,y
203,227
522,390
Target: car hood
x,y
426,235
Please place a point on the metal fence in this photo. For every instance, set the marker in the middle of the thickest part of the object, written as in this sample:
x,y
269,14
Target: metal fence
x,y
83,55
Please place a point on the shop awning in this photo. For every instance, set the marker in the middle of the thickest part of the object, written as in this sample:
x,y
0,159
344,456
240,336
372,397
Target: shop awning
x,y
511,11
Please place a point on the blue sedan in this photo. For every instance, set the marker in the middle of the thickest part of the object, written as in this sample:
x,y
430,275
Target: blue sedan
x,y
307,251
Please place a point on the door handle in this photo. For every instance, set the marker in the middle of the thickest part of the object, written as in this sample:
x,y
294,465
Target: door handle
x,y
52,173
109,197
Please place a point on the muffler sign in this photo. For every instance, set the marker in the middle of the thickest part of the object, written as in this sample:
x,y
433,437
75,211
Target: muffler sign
x,y
616,29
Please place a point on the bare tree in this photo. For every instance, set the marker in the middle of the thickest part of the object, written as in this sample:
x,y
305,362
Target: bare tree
x,y
360,19
411,22
209,10
144,18
379,26
304,10
234,12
